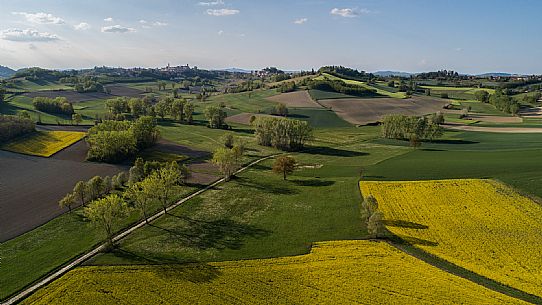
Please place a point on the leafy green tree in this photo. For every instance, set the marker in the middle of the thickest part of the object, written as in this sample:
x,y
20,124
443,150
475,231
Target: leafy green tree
x,y
375,225
141,194
80,191
68,201
281,109
162,108
162,183
106,212
188,112
215,115
24,115
284,165
77,118
94,187
228,140
227,160
482,96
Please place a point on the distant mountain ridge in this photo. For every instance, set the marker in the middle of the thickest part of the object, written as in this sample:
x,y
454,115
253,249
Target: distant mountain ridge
x,y
6,72
236,70
407,74
393,73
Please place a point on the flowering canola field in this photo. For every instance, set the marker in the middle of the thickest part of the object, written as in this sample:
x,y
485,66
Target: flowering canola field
x,y
338,272
44,143
480,225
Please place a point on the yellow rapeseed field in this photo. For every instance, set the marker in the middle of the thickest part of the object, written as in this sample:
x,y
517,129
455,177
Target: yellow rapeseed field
x,y
339,272
44,143
480,225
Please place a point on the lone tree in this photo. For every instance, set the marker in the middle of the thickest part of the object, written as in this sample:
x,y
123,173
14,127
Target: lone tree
x,y
227,160
284,165
281,109
77,118
68,201
375,225
105,212
216,116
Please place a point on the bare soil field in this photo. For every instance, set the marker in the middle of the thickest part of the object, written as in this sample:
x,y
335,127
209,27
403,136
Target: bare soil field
x,y
119,90
296,99
202,171
244,118
496,119
30,187
75,97
372,110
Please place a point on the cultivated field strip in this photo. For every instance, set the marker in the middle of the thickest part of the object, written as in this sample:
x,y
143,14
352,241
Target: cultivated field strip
x,y
336,272
51,277
480,225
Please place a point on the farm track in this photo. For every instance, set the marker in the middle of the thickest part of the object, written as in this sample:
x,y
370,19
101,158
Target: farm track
x,y
74,263
454,269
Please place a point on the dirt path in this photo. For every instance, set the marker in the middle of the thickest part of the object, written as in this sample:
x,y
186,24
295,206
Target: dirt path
x,y
53,276
494,129
456,270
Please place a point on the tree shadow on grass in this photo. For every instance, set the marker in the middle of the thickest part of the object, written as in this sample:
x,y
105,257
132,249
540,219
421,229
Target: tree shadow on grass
x,y
313,182
211,234
271,188
328,151
449,141
414,241
404,224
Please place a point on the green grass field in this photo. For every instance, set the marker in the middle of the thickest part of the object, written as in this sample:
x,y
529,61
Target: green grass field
x,y
259,215
379,90
253,102
511,158
22,85
463,93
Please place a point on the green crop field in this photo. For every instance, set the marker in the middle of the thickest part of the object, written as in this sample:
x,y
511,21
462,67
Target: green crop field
x,y
379,90
463,93
511,158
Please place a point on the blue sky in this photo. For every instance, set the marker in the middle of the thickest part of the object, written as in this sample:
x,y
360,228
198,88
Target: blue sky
x,y
416,35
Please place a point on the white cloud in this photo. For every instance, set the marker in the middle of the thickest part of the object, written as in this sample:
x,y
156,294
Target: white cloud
x,y
301,20
211,3
458,49
82,26
220,33
27,35
108,19
222,12
147,24
348,12
40,18
117,29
